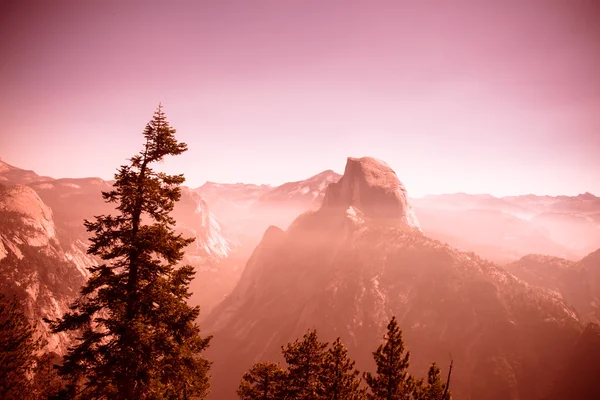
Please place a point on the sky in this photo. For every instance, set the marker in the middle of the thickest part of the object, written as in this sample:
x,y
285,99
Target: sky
x,y
499,97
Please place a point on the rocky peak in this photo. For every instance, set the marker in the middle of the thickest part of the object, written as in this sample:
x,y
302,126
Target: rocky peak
x,y
27,204
372,187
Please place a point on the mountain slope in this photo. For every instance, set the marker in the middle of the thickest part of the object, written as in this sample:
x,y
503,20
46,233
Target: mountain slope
x,y
578,283
346,268
581,369
34,265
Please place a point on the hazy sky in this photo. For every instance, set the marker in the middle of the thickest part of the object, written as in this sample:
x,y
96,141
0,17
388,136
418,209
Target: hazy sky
x,y
500,97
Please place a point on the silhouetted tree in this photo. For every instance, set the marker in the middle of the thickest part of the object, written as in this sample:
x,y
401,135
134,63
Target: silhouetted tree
x,y
18,348
434,388
392,381
264,381
305,360
340,380
137,338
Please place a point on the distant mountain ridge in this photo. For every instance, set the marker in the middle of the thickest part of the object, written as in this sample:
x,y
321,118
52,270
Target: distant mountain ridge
x,y
507,228
502,229
10,175
247,210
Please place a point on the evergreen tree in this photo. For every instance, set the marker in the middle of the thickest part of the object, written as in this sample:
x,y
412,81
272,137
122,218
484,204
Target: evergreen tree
x,y
18,349
136,335
434,389
264,381
392,381
341,381
305,361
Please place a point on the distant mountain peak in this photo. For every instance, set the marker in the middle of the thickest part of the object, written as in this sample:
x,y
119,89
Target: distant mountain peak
x,y
587,196
12,175
372,187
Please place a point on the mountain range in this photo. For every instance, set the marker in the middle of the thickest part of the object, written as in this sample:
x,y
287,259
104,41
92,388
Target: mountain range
x,y
507,287
347,267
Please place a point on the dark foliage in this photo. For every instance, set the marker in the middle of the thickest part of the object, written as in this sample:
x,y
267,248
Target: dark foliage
x,y
137,338
18,348
264,381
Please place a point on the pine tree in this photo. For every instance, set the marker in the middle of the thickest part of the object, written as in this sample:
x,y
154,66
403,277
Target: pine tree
x,y
264,381
392,381
18,348
136,335
305,361
341,380
434,389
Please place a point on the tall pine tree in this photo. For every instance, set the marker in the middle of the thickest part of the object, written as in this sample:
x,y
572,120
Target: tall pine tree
x,y
137,338
305,361
264,381
392,381
341,381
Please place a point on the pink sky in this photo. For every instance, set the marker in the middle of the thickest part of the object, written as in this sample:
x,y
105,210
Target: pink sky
x,y
501,97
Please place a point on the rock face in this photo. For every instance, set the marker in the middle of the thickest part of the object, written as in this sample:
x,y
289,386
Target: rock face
x,y
348,267
25,202
34,266
194,217
373,187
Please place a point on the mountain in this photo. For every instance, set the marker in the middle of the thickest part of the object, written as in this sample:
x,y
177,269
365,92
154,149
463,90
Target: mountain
x,y
464,201
577,283
10,175
505,229
34,265
246,210
231,193
306,193
585,203
231,202
347,267
493,234
43,244
74,200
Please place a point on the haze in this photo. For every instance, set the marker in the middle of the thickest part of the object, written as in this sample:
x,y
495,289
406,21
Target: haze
x,y
481,97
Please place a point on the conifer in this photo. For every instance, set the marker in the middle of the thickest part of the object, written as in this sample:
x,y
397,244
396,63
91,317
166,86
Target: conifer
x,y
136,336
392,380
305,360
341,380
264,381
434,389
